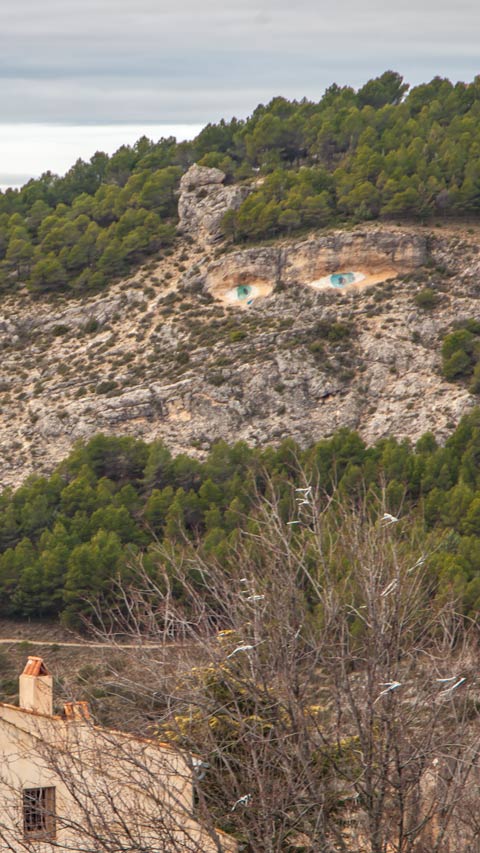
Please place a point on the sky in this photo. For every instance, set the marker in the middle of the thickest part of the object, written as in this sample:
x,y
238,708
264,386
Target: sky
x,y
77,63
28,150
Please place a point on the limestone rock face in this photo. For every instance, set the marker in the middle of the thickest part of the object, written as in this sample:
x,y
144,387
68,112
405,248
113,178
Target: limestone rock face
x,y
203,202
160,357
374,251
200,176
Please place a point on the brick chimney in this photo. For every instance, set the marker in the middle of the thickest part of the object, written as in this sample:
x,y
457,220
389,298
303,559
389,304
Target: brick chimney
x,y
36,687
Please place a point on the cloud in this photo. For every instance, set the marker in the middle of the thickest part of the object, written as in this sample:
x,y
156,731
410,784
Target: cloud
x,y
28,150
90,61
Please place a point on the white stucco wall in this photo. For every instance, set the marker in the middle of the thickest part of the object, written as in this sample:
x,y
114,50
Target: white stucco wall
x,y
107,785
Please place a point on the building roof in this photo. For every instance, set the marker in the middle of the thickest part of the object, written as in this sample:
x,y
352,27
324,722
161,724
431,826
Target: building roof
x,y
35,666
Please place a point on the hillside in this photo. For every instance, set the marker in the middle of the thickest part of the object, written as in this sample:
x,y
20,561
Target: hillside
x,y
164,354
277,337
181,290
239,441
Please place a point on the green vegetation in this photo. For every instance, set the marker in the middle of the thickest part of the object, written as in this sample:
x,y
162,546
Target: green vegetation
x,y
461,354
353,156
94,224
66,538
362,155
426,299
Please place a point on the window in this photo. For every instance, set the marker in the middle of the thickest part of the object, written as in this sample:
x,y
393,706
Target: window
x,y
39,813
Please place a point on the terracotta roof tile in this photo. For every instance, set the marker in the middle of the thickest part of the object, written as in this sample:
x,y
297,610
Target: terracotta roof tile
x,y
35,666
76,711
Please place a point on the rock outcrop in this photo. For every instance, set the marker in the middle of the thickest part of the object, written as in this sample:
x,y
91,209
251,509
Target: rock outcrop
x,y
378,252
203,202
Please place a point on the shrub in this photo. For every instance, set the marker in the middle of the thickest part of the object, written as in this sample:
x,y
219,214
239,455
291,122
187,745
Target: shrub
x,y
460,352
237,335
182,357
426,299
459,364
215,378
474,386
106,386
91,326
332,332
317,347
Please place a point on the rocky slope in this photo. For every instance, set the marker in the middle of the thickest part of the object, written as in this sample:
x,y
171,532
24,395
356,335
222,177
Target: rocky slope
x,y
163,355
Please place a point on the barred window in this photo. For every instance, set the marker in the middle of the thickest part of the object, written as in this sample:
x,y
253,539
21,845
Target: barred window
x,y
39,812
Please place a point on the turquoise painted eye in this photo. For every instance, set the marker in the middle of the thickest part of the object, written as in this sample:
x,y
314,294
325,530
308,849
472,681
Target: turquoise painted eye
x,y
337,280
243,294
340,279
243,291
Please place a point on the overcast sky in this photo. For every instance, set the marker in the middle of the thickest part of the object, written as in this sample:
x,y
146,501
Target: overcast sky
x,y
151,62
108,61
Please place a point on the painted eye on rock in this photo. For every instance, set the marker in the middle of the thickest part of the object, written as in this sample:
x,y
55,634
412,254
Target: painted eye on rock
x,y
244,293
338,280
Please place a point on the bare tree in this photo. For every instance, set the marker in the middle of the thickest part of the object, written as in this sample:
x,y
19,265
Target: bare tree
x,y
321,695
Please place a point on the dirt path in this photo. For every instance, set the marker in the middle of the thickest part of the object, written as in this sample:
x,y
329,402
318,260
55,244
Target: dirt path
x,y
85,645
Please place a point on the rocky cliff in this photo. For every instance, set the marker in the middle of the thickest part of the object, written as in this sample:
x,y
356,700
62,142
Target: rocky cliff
x,y
377,254
165,355
203,202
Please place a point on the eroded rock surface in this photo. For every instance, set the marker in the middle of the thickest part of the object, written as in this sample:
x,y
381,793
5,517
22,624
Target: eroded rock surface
x,y
384,252
203,202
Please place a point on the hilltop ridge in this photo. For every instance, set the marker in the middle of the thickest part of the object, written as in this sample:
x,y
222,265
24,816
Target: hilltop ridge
x,y
284,275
